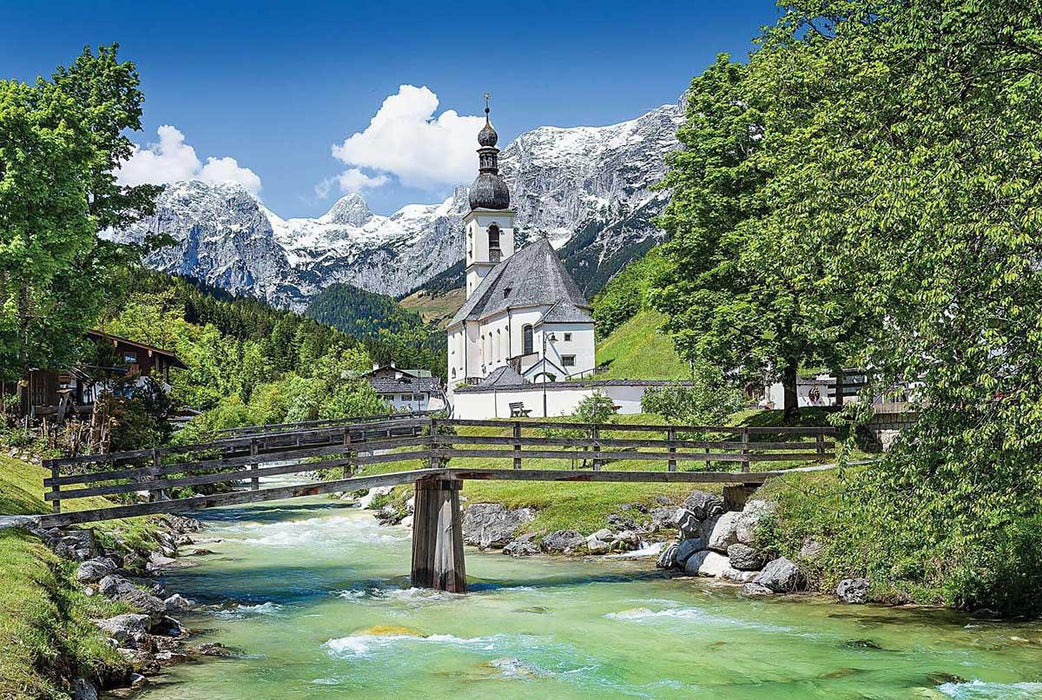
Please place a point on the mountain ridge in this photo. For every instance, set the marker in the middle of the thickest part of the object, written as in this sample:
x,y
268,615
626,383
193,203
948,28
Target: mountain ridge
x,y
584,188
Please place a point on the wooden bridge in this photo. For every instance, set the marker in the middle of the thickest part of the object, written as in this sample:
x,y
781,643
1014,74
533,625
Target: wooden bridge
x,y
435,454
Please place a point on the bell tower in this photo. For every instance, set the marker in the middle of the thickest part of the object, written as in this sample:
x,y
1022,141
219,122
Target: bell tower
x,y
489,226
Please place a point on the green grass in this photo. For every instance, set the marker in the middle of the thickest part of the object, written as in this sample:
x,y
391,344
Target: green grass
x,y
438,308
46,627
638,349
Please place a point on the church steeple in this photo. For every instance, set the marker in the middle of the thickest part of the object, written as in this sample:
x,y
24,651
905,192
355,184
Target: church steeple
x,y
489,225
488,191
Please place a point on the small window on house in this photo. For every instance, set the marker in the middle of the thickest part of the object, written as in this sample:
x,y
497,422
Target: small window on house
x,y
568,360
567,337
130,357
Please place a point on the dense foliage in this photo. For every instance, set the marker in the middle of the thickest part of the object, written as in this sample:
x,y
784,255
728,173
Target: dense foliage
x,y
247,363
868,187
59,140
707,399
628,292
389,331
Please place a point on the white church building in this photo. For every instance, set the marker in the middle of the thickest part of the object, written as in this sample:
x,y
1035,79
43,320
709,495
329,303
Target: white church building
x,y
525,320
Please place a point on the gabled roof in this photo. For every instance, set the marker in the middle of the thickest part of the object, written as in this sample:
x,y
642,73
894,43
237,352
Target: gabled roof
x,y
504,376
565,311
175,361
405,385
532,276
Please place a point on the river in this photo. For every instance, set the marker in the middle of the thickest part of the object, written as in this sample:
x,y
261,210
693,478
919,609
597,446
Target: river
x,y
313,595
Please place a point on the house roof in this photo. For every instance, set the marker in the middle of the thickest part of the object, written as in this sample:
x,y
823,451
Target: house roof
x,y
404,384
503,376
530,277
175,361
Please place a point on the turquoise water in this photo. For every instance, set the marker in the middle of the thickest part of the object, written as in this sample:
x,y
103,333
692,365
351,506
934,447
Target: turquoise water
x,y
314,597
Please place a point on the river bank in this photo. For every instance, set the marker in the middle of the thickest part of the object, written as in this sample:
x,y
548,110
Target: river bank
x,y
312,599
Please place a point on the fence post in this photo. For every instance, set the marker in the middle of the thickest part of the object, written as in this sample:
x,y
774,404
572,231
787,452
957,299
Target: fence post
x,y
745,449
433,463
56,504
159,495
347,444
255,481
596,434
517,444
821,444
671,436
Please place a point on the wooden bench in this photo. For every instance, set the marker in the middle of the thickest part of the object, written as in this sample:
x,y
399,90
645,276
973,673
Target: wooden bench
x,y
518,410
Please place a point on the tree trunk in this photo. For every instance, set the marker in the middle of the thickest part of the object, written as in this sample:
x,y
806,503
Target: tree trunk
x,y
792,406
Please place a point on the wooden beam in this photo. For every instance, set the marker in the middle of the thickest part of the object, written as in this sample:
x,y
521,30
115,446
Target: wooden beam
x,y
615,477
437,539
235,498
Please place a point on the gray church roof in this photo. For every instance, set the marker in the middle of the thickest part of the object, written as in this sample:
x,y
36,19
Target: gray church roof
x,y
565,311
504,376
532,276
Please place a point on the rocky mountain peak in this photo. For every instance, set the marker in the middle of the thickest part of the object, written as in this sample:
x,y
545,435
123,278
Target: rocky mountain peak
x,y
351,209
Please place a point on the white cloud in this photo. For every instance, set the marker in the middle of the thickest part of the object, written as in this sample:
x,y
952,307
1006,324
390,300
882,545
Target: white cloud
x,y
406,140
171,159
354,180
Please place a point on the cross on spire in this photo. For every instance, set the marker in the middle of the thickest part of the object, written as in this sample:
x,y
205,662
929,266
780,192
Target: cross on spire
x,y
488,96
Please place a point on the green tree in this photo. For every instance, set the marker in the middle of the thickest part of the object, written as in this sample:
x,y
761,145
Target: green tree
x,y
59,142
730,291
905,184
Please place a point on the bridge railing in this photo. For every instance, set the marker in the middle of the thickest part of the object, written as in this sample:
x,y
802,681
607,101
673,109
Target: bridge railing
x,y
241,461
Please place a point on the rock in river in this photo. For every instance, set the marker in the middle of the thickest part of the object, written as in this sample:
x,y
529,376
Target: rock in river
x,y
124,628
781,576
725,532
563,541
704,505
853,590
493,525
523,546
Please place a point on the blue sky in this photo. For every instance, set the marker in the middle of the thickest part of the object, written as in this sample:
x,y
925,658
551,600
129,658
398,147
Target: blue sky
x,y
275,86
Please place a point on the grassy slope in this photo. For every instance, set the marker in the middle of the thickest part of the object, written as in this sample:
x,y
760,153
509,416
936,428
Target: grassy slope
x,y
46,622
439,308
639,350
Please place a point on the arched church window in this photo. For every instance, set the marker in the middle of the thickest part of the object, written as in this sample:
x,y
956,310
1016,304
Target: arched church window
x,y
499,345
494,252
526,340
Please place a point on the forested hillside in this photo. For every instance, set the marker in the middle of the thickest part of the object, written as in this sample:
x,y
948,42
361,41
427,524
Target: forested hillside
x,y
389,331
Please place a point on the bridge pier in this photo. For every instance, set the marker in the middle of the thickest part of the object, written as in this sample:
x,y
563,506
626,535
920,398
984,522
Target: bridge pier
x,y
437,536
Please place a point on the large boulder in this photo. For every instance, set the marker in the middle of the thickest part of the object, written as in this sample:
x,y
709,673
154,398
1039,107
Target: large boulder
x,y
596,545
853,590
95,569
177,603
667,559
706,563
662,517
753,514
491,525
79,545
688,547
688,524
626,541
781,576
523,546
745,558
563,542
725,532
118,588
704,505
125,628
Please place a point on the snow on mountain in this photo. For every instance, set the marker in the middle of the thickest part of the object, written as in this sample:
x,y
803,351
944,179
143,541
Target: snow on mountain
x,y
585,188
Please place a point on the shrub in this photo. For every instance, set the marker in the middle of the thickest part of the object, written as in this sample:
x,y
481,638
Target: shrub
x,y
707,400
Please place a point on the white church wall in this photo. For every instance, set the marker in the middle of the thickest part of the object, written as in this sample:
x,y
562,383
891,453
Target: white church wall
x,y
562,399
575,340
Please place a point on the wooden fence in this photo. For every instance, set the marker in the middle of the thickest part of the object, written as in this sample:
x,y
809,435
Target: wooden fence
x,y
235,464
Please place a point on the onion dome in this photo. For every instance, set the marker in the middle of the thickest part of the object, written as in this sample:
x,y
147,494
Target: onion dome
x,y
488,191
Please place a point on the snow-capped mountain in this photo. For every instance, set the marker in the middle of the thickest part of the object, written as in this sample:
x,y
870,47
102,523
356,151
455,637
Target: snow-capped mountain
x,y
585,188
